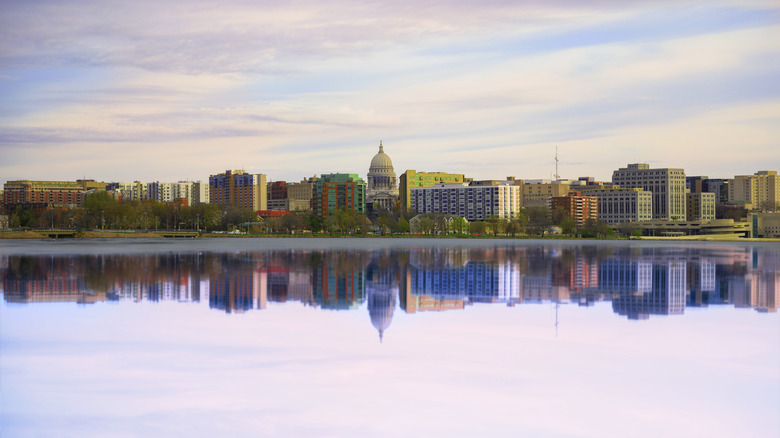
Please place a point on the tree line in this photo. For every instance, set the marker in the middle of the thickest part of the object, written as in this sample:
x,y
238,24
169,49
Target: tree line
x,y
100,210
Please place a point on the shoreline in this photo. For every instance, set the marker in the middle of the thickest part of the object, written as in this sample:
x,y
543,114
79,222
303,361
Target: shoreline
x,y
36,235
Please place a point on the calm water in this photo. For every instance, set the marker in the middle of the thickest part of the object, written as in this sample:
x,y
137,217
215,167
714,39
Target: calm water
x,y
363,338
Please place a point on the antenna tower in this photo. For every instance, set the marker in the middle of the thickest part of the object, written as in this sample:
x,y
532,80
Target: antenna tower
x,y
557,176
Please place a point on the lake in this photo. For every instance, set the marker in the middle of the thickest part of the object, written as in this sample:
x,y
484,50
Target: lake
x,y
389,337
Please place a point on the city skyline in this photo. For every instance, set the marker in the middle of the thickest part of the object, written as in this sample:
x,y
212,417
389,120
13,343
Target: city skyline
x,y
149,92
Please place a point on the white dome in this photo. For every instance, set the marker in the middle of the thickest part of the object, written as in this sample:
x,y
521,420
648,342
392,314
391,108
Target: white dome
x,y
381,160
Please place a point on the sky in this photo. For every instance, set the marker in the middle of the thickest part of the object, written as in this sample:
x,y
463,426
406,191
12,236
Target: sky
x,y
169,91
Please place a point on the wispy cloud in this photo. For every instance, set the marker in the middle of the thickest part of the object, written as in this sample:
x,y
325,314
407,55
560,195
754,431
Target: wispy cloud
x,y
445,84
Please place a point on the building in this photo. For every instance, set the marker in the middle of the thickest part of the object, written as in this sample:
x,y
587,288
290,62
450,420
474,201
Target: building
x,y
42,193
539,192
700,206
277,190
704,184
200,193
765,224
617,205
471,202
299,194
412,179
578,207
130,191
760,191
666,185
381,185
239,189
338,190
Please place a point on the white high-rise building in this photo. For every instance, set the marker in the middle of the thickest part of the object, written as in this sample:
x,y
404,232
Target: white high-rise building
x,y
667,186
471,202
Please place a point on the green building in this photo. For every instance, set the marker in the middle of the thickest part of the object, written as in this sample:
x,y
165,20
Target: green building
x,y
338,190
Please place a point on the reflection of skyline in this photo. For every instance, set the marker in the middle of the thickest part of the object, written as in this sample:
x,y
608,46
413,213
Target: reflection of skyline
x,y
638,281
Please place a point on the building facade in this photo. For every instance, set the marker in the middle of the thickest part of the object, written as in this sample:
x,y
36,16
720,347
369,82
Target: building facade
x,y
471,202
412,179
381,184
576,206
539,192
666,185
338,190
239,189
760,191
700,206
299,194
42,193
617,205
765,224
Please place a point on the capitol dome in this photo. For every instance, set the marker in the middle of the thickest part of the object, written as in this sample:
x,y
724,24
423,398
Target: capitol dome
x,y
381,161
382,187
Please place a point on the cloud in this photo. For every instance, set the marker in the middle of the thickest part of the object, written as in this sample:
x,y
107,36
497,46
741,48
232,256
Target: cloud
x,y
304,89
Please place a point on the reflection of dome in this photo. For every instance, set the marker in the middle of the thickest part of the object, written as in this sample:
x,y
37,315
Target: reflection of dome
x,y
381,161
380,308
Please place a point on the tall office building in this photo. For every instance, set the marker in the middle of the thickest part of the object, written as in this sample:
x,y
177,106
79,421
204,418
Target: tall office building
x,y
413,179
239,189
667,186
338,190
760,191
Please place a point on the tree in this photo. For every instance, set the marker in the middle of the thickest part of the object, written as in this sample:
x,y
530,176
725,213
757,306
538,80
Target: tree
x,y
513,227
425,225
477,227
402,226
596,228
538,219
558,215
315,223
496,224
459,225
386,223
568,226
291,223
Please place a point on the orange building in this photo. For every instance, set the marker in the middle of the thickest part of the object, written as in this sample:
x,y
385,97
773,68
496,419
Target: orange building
x,y
43,193
578,207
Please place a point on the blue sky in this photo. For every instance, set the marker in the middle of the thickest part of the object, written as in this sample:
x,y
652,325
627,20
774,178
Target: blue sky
x,y
123,91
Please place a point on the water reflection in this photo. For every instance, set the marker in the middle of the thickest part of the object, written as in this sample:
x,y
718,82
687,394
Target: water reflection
x,y
638,281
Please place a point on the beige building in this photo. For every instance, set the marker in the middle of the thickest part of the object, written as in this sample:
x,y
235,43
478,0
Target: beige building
x,y
760,191
667,186
617,205
539,192
700,206
765,224
299,194
412,179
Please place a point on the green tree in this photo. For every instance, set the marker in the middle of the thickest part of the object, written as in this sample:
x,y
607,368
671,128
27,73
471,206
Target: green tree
x,y
513,227
568,226
402,226
386,223
459,225
538,219
496,224
425,225
477,227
